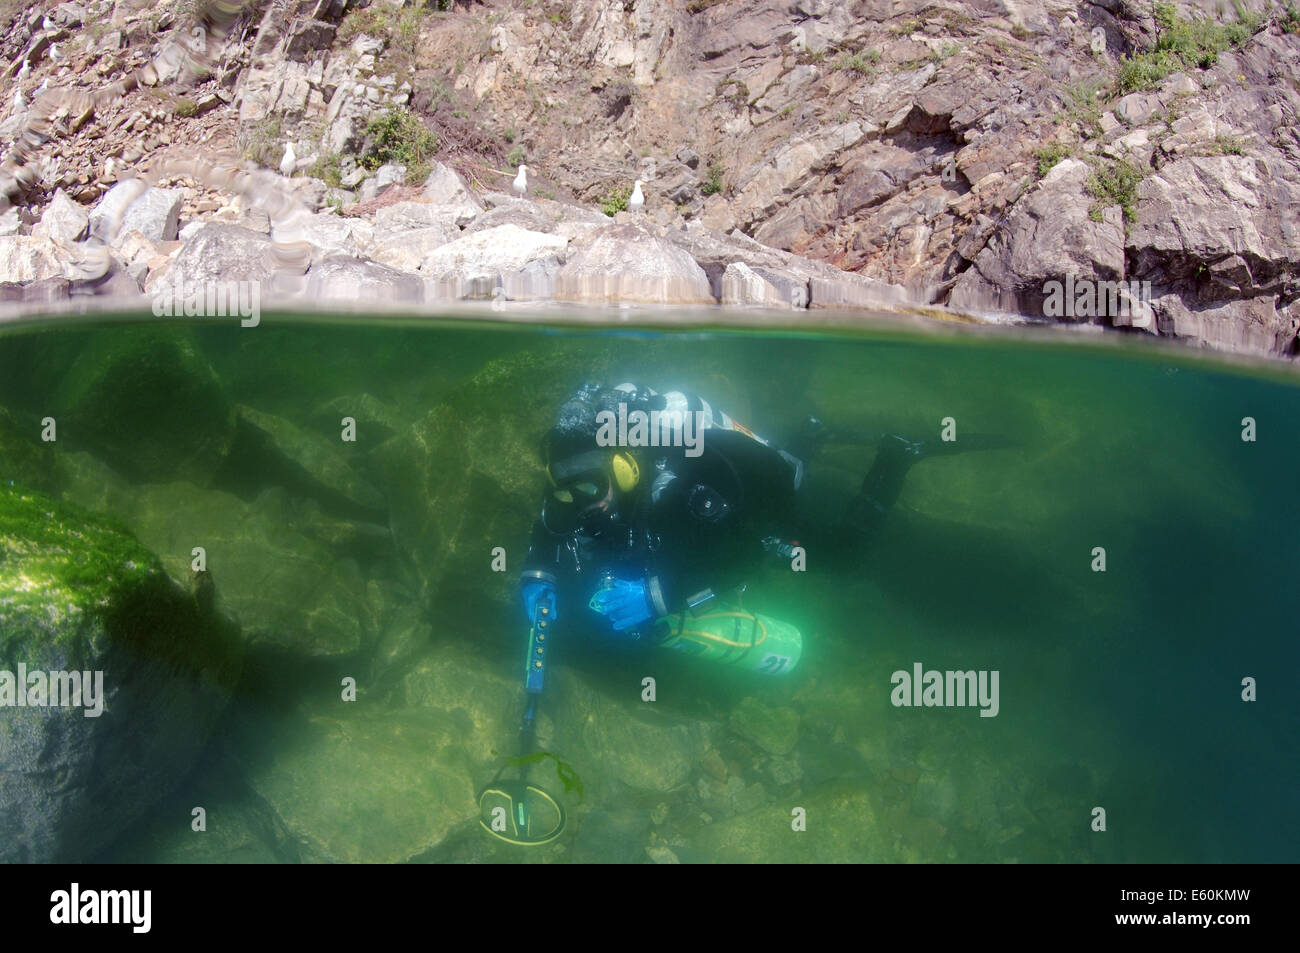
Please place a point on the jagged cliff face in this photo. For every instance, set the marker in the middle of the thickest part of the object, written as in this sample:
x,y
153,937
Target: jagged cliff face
x,y
974,152
898,139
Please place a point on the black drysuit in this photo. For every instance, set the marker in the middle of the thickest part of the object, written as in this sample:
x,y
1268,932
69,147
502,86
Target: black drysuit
x,y
692,525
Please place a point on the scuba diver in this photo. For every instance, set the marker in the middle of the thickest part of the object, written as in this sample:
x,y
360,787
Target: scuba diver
x,y
647,533
659,508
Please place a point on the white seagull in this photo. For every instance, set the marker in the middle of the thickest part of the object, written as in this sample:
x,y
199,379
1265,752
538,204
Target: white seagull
x,y
24,71
55,55
636,201
521,181
290,161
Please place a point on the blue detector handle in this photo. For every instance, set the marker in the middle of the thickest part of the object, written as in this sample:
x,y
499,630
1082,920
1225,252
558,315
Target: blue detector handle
x,y
539,644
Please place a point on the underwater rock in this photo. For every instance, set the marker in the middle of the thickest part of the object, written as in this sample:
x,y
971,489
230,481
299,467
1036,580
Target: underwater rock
x,y
237,828
270,449
148,403
457,683
366,786
842,826
24,461
615,836
271,557
773,728
635,744
375,418
78,593
466,477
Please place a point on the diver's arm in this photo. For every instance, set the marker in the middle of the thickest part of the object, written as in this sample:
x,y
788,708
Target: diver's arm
x,y
708,549
540,574
675,588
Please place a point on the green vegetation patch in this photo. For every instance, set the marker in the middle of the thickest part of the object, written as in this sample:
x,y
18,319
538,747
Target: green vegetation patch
x,y
1049,155
615,201
1114,184
863,63
328,168
713,184
400,136
1184,45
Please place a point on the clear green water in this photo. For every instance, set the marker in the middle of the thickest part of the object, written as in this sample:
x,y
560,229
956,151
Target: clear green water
x,y
372,560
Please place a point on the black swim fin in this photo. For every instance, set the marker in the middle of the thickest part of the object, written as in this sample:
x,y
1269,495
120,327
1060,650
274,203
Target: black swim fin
x,y
895,456
963,443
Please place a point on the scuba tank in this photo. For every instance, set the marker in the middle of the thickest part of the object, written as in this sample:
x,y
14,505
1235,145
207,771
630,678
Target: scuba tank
x,y
732,636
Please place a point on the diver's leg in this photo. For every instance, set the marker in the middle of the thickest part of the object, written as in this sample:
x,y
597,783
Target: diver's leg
x,y
807,440
881,486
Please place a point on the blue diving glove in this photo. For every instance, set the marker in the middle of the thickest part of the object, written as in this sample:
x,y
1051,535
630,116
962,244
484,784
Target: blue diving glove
x,y
533,590
624,603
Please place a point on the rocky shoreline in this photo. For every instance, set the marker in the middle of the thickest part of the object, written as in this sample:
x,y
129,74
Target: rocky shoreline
x,y
824,156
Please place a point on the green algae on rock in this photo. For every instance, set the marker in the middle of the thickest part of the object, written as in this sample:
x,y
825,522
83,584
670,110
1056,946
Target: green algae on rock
x,y
24,462
78,592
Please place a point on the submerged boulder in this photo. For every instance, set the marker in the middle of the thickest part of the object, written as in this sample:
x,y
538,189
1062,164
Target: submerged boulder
x,y
281,560
148,403
272,449
79,594
24,461
363,785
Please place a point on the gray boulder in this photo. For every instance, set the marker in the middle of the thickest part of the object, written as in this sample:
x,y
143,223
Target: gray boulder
x,y
627,263
221,253
522,263
342,279
101,603
744,286
444,186
26,258
63,220
155,213
407,248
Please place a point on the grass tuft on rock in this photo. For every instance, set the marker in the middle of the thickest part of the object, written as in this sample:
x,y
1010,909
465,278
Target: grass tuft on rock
x,y
400,136
1184,45
1114,184
615,201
